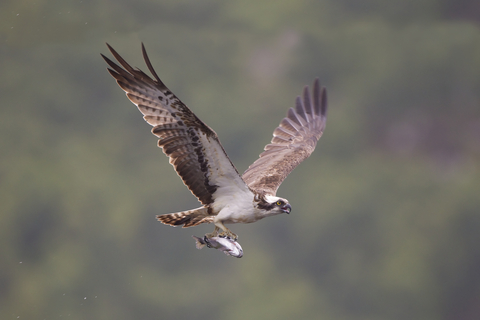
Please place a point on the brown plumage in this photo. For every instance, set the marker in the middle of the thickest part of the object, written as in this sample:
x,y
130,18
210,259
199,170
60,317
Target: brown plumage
x,y
293,141
186,219
177,128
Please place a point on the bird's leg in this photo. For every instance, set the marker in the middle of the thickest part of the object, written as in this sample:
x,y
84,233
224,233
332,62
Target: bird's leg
x,y
226,232
213,234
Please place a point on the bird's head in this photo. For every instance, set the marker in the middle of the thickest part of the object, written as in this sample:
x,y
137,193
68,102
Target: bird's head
x,y
277,205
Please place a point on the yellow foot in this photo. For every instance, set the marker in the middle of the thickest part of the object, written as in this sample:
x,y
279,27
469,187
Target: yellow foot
x,y
228,234
213,234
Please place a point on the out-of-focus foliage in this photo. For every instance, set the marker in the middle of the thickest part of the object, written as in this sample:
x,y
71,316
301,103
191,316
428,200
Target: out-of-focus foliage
x,y
386,220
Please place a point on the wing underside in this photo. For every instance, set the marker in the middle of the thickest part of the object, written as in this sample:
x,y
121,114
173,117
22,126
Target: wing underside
x,y
193,148
293,141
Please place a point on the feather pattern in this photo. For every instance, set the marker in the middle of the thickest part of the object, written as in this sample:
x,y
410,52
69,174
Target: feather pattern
x,y
189,218
293,141
193,148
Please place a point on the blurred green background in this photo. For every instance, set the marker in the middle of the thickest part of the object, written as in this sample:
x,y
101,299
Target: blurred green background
x,y
385,221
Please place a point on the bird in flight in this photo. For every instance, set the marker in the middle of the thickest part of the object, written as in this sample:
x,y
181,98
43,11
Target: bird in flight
x,y
199,159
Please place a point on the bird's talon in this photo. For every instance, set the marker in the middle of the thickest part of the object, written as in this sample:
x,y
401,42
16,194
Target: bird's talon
x,y
228,235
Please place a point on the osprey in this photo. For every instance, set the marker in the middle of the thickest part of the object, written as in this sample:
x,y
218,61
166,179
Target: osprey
x,y
200,160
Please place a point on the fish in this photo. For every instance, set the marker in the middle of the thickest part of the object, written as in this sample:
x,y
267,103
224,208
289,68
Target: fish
x,y
228,246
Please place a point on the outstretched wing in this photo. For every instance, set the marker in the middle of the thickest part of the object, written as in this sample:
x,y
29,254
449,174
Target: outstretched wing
x,y
193,148
293,141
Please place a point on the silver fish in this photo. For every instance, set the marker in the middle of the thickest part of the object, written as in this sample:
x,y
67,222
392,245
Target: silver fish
x,y
227,245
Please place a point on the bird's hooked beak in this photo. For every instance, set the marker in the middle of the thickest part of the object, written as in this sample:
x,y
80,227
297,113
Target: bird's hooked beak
x,y
287,208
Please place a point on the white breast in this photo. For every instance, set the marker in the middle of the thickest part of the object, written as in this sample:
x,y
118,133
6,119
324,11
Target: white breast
x,y
237,207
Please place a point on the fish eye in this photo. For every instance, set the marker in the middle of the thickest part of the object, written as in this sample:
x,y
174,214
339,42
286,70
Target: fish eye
x,y
279,203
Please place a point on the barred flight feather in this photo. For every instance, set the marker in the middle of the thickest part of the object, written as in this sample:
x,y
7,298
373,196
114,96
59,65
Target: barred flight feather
x,y
183,137
293,141
186,219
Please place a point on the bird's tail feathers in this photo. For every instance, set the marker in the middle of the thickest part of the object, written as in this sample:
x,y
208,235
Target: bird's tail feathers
x,y
188,218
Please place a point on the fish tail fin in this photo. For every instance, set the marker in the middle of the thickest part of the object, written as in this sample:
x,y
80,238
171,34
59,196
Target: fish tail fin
x,y
199,242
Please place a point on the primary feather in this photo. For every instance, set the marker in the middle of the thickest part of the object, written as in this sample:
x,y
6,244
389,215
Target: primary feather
x,y
293,141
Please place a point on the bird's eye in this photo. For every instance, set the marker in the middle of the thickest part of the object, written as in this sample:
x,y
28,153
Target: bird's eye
x,y
279,203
